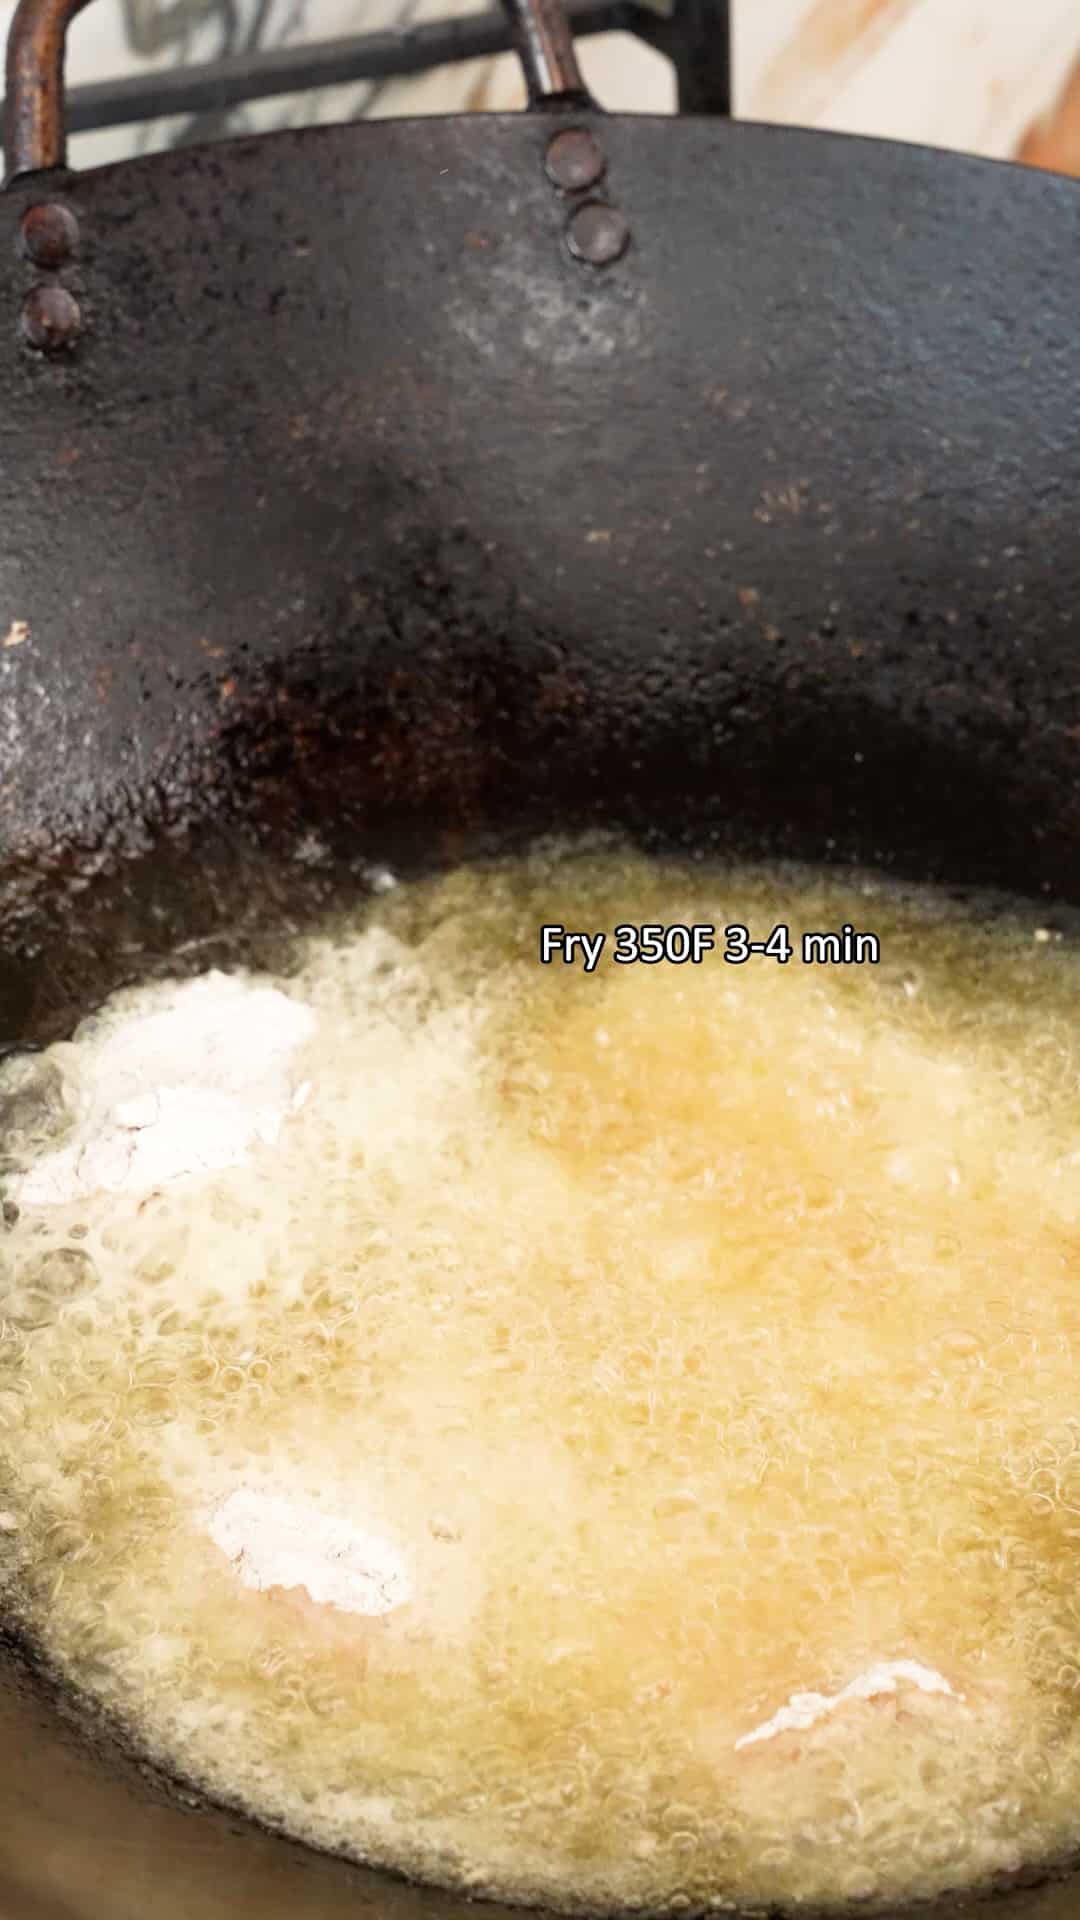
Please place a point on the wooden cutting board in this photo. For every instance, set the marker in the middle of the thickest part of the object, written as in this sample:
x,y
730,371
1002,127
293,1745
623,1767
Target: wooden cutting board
x,y
983,76
968,74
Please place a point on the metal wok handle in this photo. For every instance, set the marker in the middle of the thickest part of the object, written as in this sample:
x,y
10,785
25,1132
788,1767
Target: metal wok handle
x,y
34,97
34,130
545,47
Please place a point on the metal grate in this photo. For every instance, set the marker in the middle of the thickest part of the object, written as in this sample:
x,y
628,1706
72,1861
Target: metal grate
x,y
693,34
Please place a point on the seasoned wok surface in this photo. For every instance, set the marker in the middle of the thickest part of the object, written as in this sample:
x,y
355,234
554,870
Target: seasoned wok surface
x,y
359,498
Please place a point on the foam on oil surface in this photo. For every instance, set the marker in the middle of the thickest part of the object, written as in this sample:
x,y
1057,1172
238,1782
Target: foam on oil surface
x,y
696,1341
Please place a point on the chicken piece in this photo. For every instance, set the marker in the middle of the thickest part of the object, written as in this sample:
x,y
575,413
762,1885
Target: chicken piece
x,y
310,1574
807,1710
886,1698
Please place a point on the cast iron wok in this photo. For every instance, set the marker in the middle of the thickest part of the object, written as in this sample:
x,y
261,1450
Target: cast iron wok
x,y
346,515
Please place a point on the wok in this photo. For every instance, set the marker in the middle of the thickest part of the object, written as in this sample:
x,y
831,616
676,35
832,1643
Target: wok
x,y
397,490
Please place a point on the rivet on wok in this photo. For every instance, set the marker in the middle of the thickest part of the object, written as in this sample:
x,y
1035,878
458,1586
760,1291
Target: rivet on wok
x,y
598,234
50,318
574,159
50,234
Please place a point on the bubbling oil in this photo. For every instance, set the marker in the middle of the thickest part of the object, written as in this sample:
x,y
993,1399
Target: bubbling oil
x,y
700,1340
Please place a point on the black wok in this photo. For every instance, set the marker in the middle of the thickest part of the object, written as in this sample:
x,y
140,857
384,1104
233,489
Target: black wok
x,y
340,497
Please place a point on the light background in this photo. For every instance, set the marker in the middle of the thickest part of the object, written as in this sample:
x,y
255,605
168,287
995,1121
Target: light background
x,y
972,74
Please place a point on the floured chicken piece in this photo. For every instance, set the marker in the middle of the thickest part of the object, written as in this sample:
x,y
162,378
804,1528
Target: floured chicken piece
x,y
307,1574
185,1088
607,1442
276,1543
805,1710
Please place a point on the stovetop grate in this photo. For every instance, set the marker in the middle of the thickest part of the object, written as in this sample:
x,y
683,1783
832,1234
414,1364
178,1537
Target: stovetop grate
x,y
694,35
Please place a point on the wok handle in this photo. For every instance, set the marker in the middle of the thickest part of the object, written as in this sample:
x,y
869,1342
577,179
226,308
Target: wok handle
x,y
545,47
34,99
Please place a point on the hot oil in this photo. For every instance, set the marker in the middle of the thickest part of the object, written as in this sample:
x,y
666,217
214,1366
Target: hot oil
x,y
698,1337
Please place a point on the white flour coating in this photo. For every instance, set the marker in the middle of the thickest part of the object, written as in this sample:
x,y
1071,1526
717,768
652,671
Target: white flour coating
x,y
186,1088
804,1710
278,1542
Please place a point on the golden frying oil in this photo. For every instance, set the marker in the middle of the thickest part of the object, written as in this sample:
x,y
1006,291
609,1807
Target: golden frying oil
x,y
699,1336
